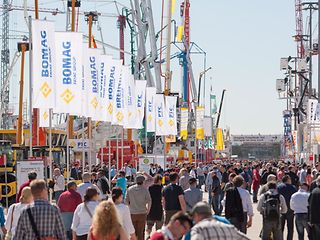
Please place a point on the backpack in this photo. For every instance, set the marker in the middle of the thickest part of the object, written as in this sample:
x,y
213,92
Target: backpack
x,y
271,207
104,185
233,206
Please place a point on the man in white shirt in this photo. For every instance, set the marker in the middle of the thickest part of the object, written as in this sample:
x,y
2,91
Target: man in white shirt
x,y
59,186
299,204
200,173
86,179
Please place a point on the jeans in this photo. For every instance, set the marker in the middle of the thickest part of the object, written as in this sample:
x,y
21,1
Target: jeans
x,y
209,194
301,224
67,221
255,195
139,223
168,215
289,216
216,204
201,181
241,226
273,227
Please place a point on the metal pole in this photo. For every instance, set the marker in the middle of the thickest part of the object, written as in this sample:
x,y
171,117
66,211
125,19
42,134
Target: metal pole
x,y
36,7
117,154
30,86
68,148
109,163
73,15
122,136
318,51
168,71
195,135
83,151
50,148
310,52
20,118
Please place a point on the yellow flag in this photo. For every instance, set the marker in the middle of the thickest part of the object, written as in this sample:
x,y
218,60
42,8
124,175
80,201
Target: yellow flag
x,y
173,4
219,140
180,33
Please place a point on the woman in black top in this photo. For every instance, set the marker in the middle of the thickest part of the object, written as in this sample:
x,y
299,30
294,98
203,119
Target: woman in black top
x,y
155,215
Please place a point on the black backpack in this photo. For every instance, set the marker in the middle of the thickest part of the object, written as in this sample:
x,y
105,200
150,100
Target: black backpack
x,y
104,185
271,204
233,206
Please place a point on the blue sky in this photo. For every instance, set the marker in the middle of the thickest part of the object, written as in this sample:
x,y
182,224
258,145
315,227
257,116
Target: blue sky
x,y
244,41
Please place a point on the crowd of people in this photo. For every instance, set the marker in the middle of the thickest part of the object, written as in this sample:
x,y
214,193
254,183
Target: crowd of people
x,y
169,203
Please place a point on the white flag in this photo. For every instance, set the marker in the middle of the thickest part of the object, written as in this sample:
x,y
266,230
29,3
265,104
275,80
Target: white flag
x,y
131,106
140,86
151,110
161,120
68,72
43,66
91,65
44,117
120,116
104,68
114,71
171,112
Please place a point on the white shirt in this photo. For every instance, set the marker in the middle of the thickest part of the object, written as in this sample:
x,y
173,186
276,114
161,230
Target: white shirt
x,y
125,218
82,221
246,200
192,173
82,188
58,183
299,201
19,207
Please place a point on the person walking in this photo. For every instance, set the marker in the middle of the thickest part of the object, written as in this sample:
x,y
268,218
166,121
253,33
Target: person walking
x,y
173,198
40,219
31,176
299,205
286,189
106,224
120,181
58,180
184,179
82,218
216,193
256,178
271,204
139,201
103,184
155,216
123,213
67,203
200,175
206,227
192,195
15,211
314,211
86,183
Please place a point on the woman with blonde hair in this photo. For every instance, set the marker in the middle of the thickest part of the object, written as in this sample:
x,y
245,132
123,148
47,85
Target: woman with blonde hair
x,y
15,211
105,224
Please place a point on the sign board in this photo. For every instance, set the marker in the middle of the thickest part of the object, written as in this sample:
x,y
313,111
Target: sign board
x,y
23,167
144,164
240,139
79,144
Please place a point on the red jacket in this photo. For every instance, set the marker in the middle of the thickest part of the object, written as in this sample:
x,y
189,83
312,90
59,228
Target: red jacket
x,y
69,200
23,185
256,178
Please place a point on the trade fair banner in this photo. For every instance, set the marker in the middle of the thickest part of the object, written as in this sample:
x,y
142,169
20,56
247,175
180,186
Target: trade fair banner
x,y
91,65
43,66
44,117
199,122
161,117
114,73
184,123
104,67
68,72
171,114
313,114
140,86
151,110
219,139
119,116
24,167
131,106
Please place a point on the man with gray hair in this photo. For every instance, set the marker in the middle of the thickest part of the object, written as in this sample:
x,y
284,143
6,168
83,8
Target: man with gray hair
x,y
314,211
86,183
264,188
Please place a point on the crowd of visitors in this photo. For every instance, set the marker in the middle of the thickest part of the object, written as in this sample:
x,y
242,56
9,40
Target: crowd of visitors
x,y
168,203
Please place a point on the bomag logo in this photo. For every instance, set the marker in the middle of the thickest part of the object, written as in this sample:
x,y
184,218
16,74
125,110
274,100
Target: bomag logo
x,y
45,89
110,108
67,96
119,116
94,103
171,123
160,123
45,115
150,118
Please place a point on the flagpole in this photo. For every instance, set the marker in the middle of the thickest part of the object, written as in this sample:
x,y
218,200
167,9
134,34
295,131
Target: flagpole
x,y
109,163
68,146
50,147
122,136
30,86
83,151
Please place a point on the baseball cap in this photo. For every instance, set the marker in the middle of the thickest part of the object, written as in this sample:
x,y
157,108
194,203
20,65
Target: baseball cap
x,y
201,208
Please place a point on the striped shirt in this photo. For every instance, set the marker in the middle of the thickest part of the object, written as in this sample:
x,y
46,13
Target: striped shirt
x,y
47,219
212,229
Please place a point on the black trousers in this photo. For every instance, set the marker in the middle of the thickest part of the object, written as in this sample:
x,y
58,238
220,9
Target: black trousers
x,y
289,218
82,237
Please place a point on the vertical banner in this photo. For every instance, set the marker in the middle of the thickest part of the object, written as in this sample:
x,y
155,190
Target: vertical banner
x,y
213,108
199,122
104,68
161,120
140,87
114,73
119,116
91,66
313,114
151,110
219,140
171,112
184,123
131,105
44,117
43,67
68,72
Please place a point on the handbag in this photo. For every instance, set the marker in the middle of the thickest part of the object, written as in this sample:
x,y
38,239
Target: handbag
x,y
34,228
9,233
